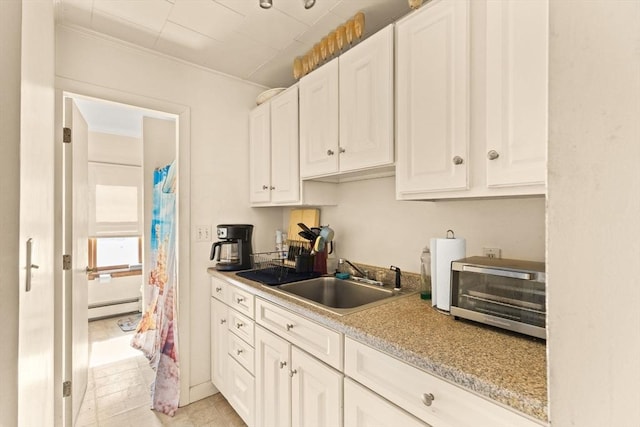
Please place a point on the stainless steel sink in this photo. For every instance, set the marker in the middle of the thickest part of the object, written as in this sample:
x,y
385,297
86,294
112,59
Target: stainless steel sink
x,y
340,296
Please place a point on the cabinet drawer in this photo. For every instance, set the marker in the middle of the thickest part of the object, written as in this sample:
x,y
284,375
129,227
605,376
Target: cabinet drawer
x,y
325,344
408,387
241,391
240,300
242,326
364,408
219,289
241,352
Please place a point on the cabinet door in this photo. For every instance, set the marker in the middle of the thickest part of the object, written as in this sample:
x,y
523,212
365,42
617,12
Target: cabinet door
x,y
517,88
219,344
273,384
432,82
285,160
366,103
316,392
241,392
319,121
260,154
364,408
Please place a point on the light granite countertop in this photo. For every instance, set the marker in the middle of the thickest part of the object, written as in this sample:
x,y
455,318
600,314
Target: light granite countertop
x,y
507,368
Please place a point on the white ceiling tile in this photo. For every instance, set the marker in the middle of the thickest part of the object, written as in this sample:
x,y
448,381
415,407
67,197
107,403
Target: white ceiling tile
x,y
77,11
206,17
278,72
324,26
243,7
272,28
148,13
295,9
123,30
184,43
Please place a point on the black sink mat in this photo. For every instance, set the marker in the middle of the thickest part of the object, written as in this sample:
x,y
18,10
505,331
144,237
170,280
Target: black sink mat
x,y
270,277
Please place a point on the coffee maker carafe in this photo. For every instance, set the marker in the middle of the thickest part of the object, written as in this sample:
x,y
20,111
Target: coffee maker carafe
x,y
233,250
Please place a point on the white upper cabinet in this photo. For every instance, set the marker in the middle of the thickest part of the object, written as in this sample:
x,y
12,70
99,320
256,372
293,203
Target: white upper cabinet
x,y
432,98
346,111
517,88
366,103
260,154
319,121
285,174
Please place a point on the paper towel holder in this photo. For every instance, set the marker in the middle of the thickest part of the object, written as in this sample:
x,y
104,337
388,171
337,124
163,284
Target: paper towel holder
x,y
453,235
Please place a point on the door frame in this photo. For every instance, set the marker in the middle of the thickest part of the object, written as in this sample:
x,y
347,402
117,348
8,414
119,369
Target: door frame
x,y
69,87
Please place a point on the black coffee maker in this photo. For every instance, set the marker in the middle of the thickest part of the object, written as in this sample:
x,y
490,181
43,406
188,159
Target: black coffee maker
x,y
233,251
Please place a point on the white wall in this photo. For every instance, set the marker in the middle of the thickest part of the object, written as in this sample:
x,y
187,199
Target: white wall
x,y
219,107
373,228
10,26
593,242
111,148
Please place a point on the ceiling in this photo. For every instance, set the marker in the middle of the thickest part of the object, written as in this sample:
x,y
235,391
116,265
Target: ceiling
x,y
236,37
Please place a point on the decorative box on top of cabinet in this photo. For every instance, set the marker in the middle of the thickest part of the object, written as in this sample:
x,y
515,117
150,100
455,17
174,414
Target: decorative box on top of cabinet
x,y
471,111
274,175
346,111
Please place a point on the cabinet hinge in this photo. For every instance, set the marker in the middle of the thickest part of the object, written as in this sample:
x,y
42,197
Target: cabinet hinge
x,y
66,135
66,389
66,262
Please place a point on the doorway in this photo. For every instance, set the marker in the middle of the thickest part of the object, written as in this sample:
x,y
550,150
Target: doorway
x,y
116,166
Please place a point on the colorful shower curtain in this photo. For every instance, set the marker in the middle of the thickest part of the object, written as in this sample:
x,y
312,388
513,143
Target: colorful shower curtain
x,y
156,335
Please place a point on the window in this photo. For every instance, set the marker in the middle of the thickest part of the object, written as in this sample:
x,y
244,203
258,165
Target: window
x,y
118,256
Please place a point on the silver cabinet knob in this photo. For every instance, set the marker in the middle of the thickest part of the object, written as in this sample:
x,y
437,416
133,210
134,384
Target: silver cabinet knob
x,y
218,290
223,321
492,155
239,325
330,153
283,364
265,187
292,373
272,187
457,160
427,399
239,351
239,300
289,326
342,150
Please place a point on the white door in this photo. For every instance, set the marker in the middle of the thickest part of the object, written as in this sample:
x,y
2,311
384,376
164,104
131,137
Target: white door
x,y
366,103
285,158
432,98
316,392
517,88
273,384
260,154
319,121
75,224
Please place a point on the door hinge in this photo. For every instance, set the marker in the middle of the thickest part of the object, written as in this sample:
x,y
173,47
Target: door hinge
x,y
66,389
66,135
66,262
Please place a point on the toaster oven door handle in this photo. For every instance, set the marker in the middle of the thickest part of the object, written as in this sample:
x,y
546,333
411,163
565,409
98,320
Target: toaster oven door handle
x,y
495,272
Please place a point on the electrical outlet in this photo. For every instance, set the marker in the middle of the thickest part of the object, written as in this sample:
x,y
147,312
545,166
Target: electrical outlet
x,y
203,233
492,252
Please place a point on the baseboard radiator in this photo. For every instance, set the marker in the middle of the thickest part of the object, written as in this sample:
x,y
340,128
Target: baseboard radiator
x,y
114,308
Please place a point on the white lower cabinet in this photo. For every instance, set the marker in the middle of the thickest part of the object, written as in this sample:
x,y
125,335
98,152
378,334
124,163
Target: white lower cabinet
x,y
219,344
232,349
364,408
293,388
434,401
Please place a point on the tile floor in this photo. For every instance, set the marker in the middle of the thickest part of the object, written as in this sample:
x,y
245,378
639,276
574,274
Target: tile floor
x,y
118,388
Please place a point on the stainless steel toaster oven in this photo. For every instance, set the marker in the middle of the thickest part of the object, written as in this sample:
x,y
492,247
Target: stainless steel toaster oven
x,y
506,293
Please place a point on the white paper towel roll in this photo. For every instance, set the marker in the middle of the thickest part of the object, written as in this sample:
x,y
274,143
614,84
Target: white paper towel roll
x,y
443,251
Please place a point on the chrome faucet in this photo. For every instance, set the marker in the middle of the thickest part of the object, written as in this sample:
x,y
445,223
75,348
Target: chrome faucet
x,y
342,261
